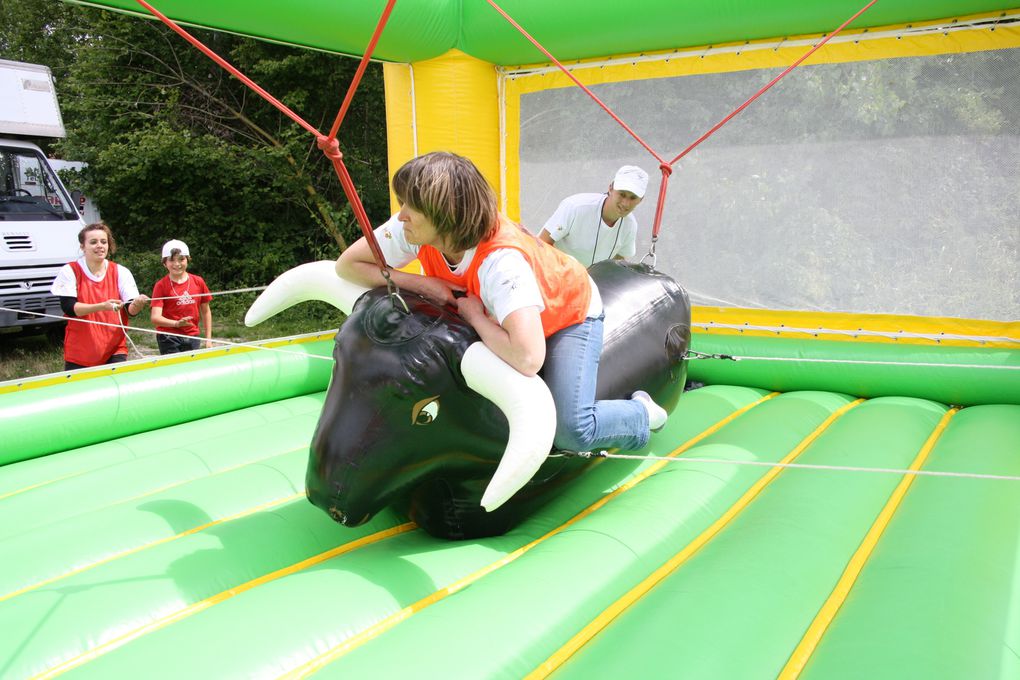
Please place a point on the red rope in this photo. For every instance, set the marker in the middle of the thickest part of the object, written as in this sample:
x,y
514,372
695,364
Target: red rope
x,y
667,167
577,82
328,144
772,82
331,147
660,205
361,67
229,67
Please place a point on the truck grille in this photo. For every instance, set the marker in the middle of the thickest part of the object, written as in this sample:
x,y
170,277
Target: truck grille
x,y
34,303
19,243
24,287
25,310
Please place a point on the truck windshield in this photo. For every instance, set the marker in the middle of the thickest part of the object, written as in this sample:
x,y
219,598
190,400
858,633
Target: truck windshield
x,y
29,190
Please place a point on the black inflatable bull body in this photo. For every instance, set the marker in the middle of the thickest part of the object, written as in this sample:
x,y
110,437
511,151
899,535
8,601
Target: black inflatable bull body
x,y
400,424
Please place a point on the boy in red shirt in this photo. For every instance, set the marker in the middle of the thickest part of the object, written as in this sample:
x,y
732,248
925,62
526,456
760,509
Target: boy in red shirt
x,y
179,300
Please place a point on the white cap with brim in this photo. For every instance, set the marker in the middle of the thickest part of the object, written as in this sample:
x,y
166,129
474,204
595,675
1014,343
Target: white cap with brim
x,y
179,245
631,178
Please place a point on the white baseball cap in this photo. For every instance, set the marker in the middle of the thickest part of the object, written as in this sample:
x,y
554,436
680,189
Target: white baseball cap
x,y
179,245
631,178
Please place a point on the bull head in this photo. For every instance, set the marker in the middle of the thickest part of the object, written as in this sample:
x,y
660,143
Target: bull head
x,y
411,377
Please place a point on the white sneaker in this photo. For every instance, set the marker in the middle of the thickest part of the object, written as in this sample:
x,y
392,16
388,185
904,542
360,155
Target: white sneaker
x,y
656,414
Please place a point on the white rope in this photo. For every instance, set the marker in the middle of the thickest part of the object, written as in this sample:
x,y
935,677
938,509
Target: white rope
x,y
181,297
981,339
726,357
123,329
803,466
213,293
153,331
702,298
735,357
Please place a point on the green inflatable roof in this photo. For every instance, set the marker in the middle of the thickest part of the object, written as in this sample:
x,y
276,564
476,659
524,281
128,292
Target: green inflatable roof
x,y
569,29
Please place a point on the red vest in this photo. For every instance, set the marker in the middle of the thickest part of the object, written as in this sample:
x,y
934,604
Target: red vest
x,y
562,280
89,344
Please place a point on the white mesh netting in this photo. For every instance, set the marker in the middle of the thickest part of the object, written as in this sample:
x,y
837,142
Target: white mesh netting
x,y
887,186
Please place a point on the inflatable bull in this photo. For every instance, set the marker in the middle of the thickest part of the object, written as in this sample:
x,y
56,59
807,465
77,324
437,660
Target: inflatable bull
x,y
421,415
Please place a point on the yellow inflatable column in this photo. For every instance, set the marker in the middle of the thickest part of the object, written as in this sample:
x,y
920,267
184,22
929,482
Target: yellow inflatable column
x,y
444,104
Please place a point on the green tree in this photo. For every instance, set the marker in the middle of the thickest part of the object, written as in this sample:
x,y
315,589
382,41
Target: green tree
x,y
178,148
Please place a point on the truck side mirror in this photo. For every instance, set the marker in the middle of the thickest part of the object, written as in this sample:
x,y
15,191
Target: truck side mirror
x,y
78,198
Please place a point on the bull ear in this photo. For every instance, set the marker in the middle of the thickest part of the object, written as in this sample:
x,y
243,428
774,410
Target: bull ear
x,y
311,281
529,409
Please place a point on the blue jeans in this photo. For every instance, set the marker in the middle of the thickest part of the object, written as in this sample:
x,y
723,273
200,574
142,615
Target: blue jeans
x,y
172,344
571,372
114,359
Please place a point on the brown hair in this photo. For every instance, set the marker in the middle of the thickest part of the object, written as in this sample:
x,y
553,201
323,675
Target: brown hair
x,y
452,193
99,226
174,252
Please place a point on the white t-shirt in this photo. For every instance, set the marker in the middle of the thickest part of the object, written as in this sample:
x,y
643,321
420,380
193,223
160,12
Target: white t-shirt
x,y
578,230
506,280
67,286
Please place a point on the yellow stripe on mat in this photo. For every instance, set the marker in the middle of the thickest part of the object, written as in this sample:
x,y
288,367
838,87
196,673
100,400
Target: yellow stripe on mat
x,y
202,605
153,544
152,362
42,483
802,654
560,656
147,493
317,663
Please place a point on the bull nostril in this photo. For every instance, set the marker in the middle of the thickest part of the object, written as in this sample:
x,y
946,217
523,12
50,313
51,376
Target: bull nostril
x,y
337,515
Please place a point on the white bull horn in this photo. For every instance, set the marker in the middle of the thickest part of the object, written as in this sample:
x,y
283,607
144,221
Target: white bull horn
x,y
529,409
311,281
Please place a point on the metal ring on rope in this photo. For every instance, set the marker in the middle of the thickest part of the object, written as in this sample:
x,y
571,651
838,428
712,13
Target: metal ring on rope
x,y
650,253
394,289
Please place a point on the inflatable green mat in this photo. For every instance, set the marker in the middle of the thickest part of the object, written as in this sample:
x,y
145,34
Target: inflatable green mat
x,y
158,529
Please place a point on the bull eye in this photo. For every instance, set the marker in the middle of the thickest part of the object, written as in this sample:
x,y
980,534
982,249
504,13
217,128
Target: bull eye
x,y
425,411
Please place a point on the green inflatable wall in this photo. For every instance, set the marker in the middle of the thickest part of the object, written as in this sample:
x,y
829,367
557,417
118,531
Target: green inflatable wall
x,y
570,29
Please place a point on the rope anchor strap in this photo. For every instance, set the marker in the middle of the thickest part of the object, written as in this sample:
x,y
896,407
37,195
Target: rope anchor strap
x,y
580,454
691,354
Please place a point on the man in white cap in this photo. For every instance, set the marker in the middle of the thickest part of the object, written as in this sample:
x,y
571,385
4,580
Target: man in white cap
x,y
595,227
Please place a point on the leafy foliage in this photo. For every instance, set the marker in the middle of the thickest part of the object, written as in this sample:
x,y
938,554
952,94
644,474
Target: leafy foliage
x,y
177,148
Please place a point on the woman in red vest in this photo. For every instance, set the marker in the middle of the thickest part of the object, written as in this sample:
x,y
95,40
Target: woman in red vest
x,y
527,301
94,289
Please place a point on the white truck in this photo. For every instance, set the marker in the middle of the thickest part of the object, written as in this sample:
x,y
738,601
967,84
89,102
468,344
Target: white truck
x,y
39,219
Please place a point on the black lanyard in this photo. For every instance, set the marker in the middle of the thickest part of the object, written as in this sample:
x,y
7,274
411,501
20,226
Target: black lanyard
x,y
598,231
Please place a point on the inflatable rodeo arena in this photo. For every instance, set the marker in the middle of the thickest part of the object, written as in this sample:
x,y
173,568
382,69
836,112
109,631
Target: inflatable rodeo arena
x,y
825,298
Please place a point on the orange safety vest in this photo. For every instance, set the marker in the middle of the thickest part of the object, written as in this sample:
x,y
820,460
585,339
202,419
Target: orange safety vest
x,y
89,344
562,280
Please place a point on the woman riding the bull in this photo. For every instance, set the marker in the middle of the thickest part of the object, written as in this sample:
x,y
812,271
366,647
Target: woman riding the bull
x,y
533,306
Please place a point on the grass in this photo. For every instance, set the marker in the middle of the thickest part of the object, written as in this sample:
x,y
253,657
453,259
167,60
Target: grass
x,y
23,356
